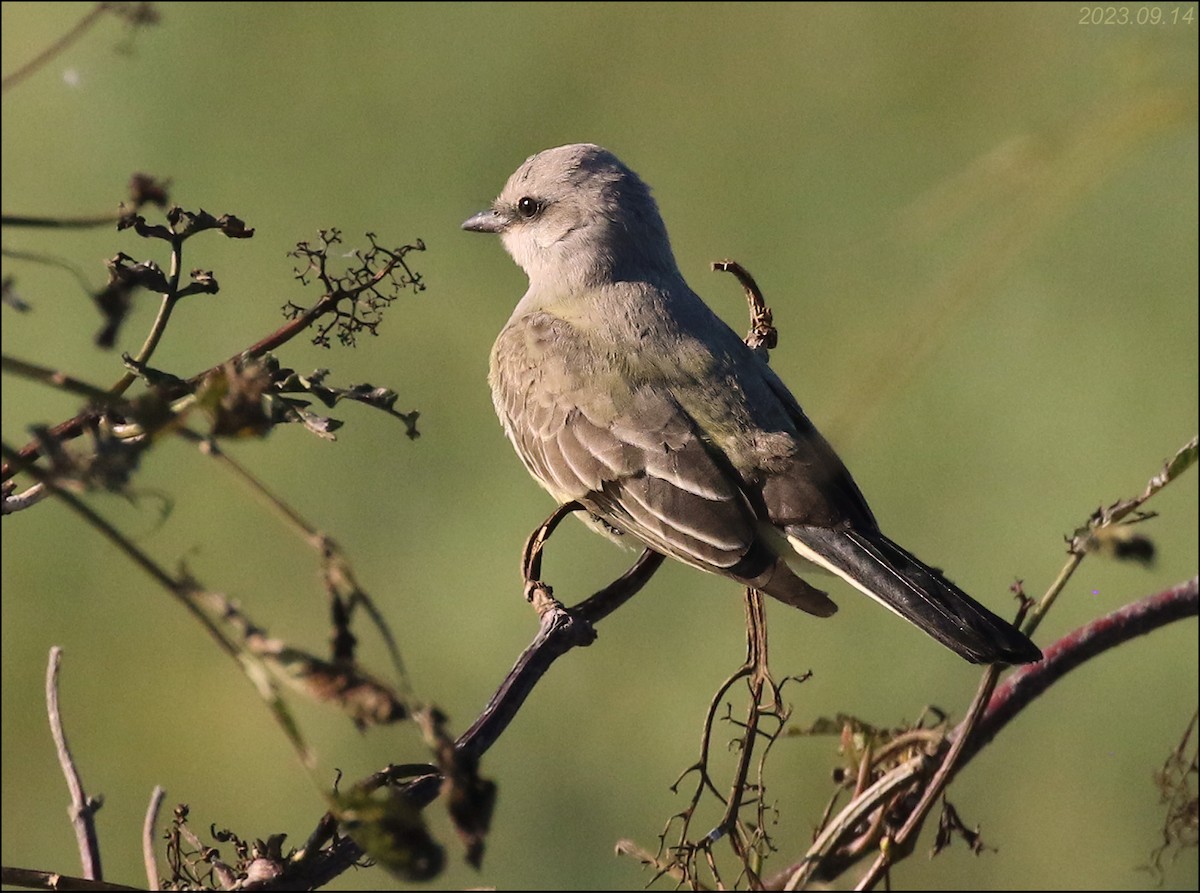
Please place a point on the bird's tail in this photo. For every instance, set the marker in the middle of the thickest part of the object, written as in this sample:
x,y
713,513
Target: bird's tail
x,y
899,581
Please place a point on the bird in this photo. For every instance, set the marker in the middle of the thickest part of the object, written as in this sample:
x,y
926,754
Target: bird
x,y
622,391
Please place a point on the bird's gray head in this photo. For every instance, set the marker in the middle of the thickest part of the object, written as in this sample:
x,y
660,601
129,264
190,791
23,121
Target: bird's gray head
x,y
577,216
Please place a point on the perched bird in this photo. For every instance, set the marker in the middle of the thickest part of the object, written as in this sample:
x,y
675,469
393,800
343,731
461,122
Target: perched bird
x,y
621,390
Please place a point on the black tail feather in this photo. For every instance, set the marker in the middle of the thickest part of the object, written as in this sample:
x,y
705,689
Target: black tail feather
x,y
922,595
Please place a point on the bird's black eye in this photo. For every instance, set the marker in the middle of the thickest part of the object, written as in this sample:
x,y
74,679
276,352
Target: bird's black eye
x,y
527,207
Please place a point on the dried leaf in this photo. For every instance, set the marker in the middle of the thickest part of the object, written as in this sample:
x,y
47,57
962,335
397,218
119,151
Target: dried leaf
x,y
392,831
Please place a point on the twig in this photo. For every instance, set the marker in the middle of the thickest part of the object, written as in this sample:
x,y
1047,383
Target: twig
x,y
1016,693
83,808
166,307
76,32
763,336
27,498
185,590
596,607
326,304
51,260
759,679
1106,518
1076,648
895,781
558,632
148,857
991,712
60,380
182,589
902,842
344,592
32,879
560,629
26,221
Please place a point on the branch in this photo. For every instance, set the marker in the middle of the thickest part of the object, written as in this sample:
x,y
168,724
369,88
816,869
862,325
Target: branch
x,y
77,31
32,879
901,844
360,287
1075,649
83,808
560,629
1008,699
148,857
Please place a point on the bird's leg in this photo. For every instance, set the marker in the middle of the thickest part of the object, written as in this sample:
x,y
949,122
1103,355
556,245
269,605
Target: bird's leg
x,y
559,630
538,593
598,605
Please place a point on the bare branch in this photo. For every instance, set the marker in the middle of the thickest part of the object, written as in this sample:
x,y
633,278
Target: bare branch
x,y
136,14
148,857
1078,647
83,808
31,879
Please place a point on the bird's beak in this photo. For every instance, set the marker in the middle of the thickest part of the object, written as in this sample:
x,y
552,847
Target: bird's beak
x,y
489,221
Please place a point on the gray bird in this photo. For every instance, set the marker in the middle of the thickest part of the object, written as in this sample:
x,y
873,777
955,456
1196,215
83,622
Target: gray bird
x,y
621,390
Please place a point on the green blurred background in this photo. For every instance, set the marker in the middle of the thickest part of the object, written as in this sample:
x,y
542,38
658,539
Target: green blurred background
x,y
976,224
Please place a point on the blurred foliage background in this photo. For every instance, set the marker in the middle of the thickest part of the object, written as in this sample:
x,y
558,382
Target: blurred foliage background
x,y
977,227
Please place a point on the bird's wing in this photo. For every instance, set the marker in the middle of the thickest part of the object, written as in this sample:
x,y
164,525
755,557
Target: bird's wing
x,y
632,455
629,454
809,485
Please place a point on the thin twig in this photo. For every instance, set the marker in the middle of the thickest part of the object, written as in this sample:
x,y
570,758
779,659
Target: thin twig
x,y
166,306
599,605
1105,518
991,712
83,808
327,303
902,843
182,589
26,221
76,32
759,680
763,336
51,260
62,381
148,826
32,879
27,498
343,589
1017,692
854,812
